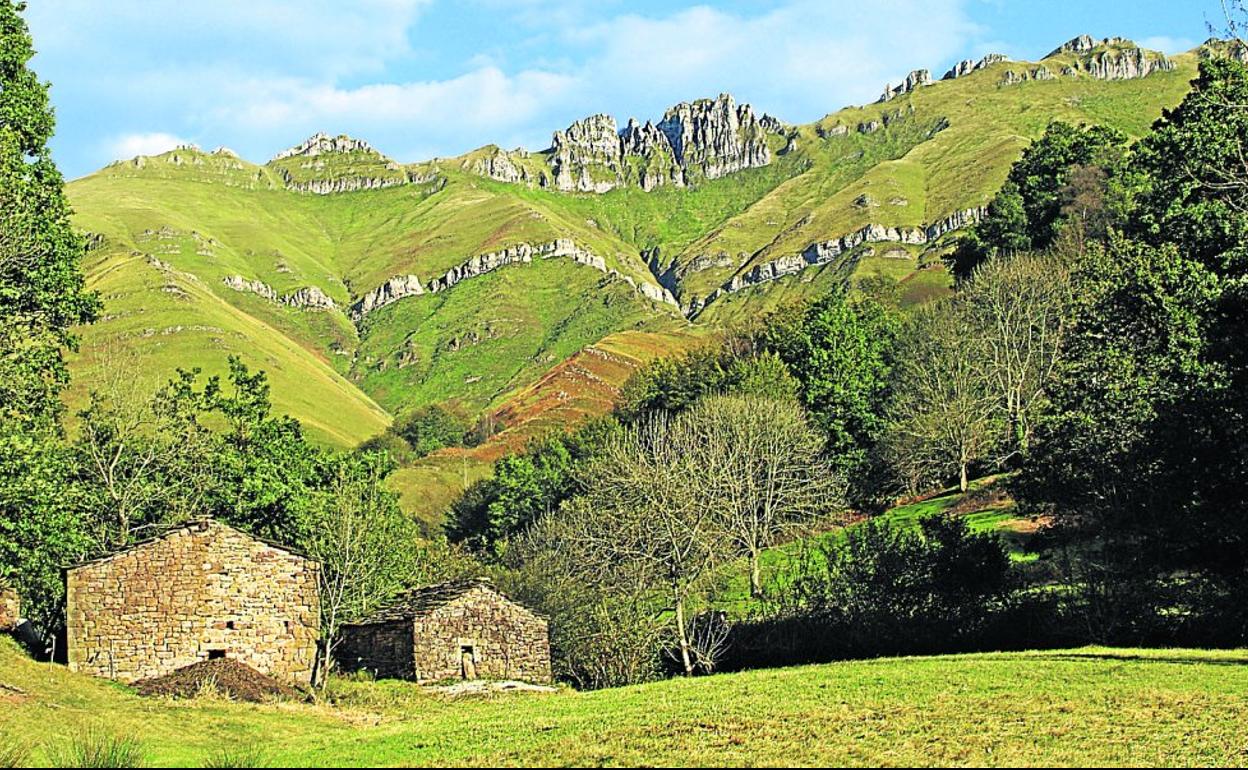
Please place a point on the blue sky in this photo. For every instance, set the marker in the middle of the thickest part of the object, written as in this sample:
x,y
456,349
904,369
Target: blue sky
x,y
427,78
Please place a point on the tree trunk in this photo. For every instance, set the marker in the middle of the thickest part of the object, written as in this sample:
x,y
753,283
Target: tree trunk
x,y
756,578
963,483
683,632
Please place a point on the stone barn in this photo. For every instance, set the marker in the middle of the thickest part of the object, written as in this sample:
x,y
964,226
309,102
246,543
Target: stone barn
x,y
458,630
199,591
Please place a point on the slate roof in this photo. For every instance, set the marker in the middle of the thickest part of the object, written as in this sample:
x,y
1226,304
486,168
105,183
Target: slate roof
x,y
198,524
418,602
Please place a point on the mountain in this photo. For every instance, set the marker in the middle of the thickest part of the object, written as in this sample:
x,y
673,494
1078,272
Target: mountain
x,y
366,287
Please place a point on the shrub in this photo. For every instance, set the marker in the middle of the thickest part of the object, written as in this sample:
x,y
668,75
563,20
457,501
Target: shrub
x,y
97,749
236,756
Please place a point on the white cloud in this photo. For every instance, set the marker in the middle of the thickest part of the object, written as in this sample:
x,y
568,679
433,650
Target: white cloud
x,y
129,145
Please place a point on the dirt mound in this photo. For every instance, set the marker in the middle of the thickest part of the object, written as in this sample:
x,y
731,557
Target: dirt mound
x,y
223,676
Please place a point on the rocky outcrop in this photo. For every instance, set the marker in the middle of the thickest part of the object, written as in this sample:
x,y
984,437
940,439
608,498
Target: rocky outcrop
x,y
1234,49
1114,58
824,252
409,285
653,156
967,66
393,290
587,156
330,185
307,298
715,137
1080,44
1126,64
708,138
500,166
916,79
320,144
1013,77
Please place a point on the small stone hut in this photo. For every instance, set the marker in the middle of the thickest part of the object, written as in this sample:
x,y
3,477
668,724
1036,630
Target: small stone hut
x,y
199,591
458,630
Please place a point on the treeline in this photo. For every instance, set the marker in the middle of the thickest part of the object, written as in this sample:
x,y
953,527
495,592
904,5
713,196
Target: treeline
x,y
1092,350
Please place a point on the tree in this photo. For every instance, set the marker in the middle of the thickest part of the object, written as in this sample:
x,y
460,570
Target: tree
x,y
139,466
1017,310
648,509
840,350
765,469
943,414
41,299
431,428
1068,172
365,546
41,284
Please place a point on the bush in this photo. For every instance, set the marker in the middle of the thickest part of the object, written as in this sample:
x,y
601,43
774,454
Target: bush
x,y
886,590
430,428
96,749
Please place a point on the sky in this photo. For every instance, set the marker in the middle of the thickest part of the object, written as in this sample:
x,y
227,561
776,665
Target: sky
x,y
435,78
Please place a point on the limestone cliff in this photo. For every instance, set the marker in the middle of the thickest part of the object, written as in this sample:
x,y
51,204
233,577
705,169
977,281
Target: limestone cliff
x,y
402,286
707,138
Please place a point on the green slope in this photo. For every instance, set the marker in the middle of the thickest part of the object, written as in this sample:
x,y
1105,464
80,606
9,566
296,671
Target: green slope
x,y
175,228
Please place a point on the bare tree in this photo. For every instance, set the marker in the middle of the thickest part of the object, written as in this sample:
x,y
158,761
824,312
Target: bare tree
x,y
142,465
766,477
1016,309
944,413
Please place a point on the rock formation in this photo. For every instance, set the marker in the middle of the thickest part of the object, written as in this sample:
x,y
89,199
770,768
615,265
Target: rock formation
x,y
708,138
522,253
716,137
393,290
319,144
498,165
1121,59
823,252
915,80
306,298
967,66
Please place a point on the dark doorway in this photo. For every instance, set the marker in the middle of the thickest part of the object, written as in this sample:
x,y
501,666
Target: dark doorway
x,y
216,654
467,661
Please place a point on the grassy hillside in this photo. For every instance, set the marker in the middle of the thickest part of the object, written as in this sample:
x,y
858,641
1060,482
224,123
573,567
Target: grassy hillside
x,y
1090,706
200,255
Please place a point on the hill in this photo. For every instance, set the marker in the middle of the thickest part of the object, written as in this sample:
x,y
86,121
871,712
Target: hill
x,y
366,287
1091,706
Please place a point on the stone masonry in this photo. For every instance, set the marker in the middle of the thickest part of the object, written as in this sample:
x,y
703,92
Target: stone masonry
x,y
202,590
459,630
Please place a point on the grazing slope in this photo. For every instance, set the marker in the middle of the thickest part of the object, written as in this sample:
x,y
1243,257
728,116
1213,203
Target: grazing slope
x,y
1083,707
366,287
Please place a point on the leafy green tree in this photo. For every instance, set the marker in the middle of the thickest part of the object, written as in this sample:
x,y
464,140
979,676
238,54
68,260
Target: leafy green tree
x,y
1035,203
41,299
431,428
1144,461
41,284
839,349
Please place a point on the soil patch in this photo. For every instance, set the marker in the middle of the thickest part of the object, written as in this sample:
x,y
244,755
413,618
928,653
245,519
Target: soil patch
x,y
223,676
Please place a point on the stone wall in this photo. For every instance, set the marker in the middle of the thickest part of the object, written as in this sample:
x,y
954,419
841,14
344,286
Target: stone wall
x,y
10,609
202,590
507,640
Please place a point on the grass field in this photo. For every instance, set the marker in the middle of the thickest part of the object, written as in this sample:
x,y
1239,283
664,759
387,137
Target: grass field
x,y
1090,706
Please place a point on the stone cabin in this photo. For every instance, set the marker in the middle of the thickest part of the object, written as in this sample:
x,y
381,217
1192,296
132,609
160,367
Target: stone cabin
x,y
199,591
458,630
